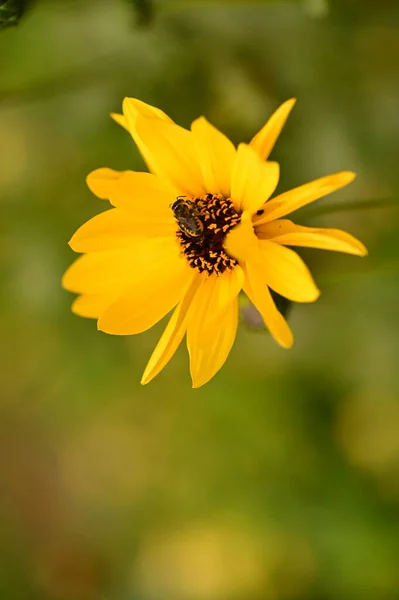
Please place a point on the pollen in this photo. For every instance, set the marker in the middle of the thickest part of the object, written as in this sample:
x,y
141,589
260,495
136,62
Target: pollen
x,y
206,253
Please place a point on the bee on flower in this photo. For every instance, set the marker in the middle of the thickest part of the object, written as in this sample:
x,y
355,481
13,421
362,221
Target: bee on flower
x,y
191,234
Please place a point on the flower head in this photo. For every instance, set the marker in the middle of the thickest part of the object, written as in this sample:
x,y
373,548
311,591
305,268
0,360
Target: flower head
x,y
193,233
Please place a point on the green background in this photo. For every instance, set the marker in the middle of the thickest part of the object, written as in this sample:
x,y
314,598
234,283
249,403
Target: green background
x,y
280,478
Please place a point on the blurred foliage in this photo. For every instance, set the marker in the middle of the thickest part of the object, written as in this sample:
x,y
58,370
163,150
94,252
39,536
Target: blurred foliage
x,y
280,478
144,10
11,11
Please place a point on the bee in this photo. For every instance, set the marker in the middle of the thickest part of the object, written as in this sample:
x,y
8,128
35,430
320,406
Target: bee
x,y
187,217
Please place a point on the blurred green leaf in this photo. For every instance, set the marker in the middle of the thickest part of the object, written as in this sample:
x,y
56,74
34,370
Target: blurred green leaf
x,y
11,12
144,10
354,205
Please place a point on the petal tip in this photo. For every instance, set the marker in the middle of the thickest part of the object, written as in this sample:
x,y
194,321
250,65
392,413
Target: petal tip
x,y
75,242
348,176
92,183
101,326
274,167
314,292
119,119
356,247
129,110
127,100
76,308
65,283
288,344
147,376
89,178
317,294
71,242
199,120
198,383
100,181
105,328
286,341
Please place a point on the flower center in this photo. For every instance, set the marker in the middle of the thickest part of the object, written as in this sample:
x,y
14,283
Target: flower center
x,y
203,225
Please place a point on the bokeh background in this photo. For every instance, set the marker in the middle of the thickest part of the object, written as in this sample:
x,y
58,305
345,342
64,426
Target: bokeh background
x,y
279,479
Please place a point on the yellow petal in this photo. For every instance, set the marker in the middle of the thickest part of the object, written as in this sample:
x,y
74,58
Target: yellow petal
x,y
147,300
92,306
264,141
288,233
132,110
117,228
173,334
213,298
301,196
253,180
100,272
133,191
241,242
260,296
135,108
208,312
144,195
216,156
101,181
207,356
120,119
173,155
113,271
286,273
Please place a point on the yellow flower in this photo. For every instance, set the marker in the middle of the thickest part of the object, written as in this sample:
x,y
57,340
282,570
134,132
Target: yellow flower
x,y
193,233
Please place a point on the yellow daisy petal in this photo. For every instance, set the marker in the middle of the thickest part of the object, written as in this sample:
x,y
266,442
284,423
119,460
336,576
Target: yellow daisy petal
x,y
212,299
92,306
115,270
241,242
288,233
117,228
173,155
286,273
173,334
209,308
101,181
147,301
133,191
260,296
216,156
100,272
253,180
169,150
208,355
132,110
144,195
301,196
264,140
132,107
